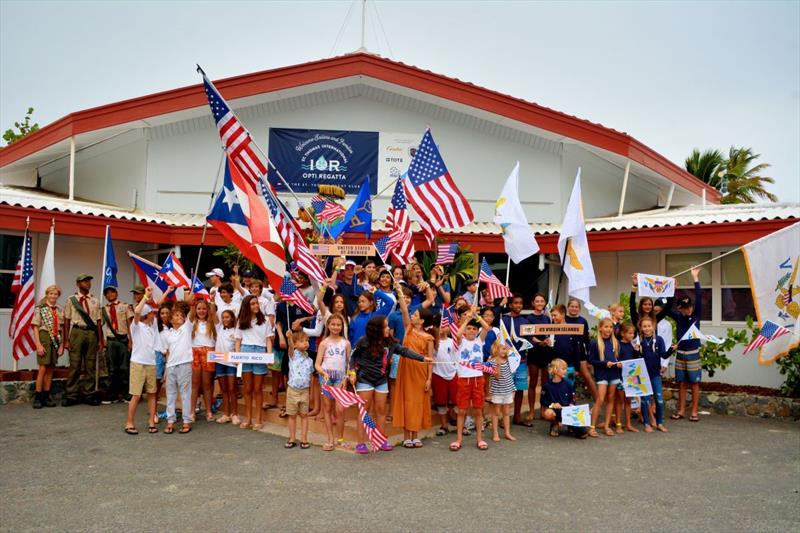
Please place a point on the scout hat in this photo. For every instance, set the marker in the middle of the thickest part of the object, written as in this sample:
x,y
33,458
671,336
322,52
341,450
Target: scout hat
x,y
137,289
83,277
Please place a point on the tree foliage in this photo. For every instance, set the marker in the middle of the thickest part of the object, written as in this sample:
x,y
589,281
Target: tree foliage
x,y
737,176
24,128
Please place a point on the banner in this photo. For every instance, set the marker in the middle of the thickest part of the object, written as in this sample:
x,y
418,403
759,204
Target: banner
x,y
395,153
366,250
551,329
655,286
308,158
772,266
635,379
233,358
576,416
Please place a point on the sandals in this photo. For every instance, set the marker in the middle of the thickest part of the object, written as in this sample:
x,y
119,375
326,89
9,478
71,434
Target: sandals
x,y
258,427
441,432
417,443
304,446
408,443
455,446
676,416
152,429
282,414
327,447
186,428
290,444
482,445
169,429
245,424
593,433
609,432
209,416
694,418
131,431
224,419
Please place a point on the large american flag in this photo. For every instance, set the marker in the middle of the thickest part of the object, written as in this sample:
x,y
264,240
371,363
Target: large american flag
x,y
236,139
433,193
326,211
495,286
292,239
446,253
400,244
769,332
347,399
20,330
291,293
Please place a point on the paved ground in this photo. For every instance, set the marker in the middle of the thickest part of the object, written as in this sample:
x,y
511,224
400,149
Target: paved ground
x,y
73,469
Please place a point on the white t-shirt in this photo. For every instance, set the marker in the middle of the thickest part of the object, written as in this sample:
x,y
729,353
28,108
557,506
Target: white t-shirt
x,y
202,337
664,330
232,306
179,344
255,335
144,339
226,339
236,299
469,352
446,360
266,302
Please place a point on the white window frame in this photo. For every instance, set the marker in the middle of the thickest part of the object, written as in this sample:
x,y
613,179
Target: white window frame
x,y
716,281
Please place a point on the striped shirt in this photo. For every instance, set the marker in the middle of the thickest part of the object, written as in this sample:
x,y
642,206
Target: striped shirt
x,y
504,383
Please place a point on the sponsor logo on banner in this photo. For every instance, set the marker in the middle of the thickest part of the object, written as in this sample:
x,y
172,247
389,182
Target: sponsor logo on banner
x,y
228,358
309,158
551,329
396,150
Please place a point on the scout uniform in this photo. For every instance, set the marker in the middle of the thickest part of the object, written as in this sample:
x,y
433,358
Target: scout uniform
x,y
116,318
49,320
83,312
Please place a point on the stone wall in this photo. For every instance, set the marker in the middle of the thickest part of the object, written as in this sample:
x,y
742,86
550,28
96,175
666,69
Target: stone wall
x,y
739,404
23,391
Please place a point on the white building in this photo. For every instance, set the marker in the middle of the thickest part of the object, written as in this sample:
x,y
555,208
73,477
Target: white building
x,y
147,167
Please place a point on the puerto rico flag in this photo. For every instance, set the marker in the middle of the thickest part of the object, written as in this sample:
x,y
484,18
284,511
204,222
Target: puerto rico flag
x,y
148,273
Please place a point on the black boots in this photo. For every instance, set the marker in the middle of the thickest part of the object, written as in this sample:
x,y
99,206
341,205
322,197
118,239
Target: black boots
x,y
42,399
37,400
48,400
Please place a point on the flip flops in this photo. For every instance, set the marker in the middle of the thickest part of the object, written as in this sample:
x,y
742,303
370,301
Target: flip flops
x,y
290,444
483,446
131,431
694,418
676,416
185,429
304,446
152,429
455,446
169,429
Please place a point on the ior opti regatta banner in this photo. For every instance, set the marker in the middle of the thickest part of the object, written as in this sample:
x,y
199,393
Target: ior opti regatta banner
x,y
308,158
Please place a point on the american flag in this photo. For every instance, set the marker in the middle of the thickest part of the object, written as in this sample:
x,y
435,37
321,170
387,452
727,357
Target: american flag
x,y
381,247
400,244
433,193
769,332
326,211
20,329
486,368
347,399
236,139
495,286
291,293
292,239
449,320
446,253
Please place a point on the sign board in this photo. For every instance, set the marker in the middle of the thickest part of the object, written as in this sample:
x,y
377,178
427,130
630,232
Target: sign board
x,y
551,329
309,158
395,151
343,249
228,358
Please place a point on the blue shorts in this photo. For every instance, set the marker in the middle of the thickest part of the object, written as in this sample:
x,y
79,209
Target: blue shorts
x,y
334,381
364,387
521,377
161,363
612,383
687,367
257,369
225,370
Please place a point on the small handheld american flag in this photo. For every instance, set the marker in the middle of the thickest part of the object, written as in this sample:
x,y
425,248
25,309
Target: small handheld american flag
x,y
769,332
449,320
291,293
347,399
495,286
446,253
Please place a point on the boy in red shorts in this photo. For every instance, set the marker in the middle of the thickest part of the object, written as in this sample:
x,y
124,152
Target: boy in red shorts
x,y
470,371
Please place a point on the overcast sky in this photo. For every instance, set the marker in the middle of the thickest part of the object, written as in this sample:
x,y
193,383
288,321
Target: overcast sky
x,y
674,75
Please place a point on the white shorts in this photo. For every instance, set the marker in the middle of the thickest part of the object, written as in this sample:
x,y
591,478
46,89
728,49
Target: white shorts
x,y
502,399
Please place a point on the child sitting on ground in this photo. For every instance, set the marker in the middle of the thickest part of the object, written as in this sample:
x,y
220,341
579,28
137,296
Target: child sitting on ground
x,y
297,394
558,393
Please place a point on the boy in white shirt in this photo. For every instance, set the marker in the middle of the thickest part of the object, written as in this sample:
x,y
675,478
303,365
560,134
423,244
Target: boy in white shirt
x,y
470,369
144,340
178,351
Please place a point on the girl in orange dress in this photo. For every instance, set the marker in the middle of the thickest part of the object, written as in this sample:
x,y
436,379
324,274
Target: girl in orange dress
x,y
411,403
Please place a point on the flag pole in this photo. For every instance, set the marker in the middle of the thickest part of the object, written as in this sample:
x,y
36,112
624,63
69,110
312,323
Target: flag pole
x,y
729,252
561,274
205,221
508,270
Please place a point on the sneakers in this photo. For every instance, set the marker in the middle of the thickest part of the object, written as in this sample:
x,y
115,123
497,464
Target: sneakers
x,y
362,449
469,423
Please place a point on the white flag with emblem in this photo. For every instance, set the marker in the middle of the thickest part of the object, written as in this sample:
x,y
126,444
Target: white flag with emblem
x,y
573,247
508,214
772,266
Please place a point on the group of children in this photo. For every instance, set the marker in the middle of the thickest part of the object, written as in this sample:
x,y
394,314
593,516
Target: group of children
x,y
382,334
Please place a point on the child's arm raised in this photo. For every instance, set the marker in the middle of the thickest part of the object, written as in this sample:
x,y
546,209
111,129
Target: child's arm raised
x,y
485,328
403,306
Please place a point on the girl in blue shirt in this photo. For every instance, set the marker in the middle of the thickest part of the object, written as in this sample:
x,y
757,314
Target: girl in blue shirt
x,y
368,306
603,355
627,351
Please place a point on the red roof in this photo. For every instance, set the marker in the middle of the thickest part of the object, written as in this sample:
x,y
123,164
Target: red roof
x,y
359,64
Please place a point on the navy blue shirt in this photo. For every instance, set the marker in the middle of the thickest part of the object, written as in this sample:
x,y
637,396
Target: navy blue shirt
x,y
567,348
601,370
351,291
561,393
582,340
683,323
627,351
538,319
652,352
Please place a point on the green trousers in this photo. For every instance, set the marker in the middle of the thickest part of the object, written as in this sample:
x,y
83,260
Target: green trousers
x,y
119,359
82,359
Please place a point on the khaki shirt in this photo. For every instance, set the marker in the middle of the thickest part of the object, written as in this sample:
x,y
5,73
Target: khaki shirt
x,y
37,316
124,312
72,315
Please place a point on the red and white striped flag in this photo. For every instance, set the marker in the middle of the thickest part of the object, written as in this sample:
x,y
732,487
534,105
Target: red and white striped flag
x,y
769,332
20,330
449,320
347,399
433,193
291,293
494,285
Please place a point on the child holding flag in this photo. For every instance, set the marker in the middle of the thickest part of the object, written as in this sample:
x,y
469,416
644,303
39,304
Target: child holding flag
x,y
603,355
687,358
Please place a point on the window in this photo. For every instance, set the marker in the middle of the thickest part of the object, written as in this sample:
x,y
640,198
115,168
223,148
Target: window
x,y
10,247
681,262
736,298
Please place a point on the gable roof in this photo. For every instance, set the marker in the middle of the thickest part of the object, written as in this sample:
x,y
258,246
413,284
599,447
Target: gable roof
x,y
359,64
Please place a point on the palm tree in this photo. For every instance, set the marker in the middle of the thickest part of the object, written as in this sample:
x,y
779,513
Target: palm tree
x,y
744,180
706,166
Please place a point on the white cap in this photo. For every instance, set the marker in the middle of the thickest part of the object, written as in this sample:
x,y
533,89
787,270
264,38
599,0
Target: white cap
x,y
146,310
349,262
215,272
